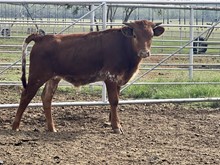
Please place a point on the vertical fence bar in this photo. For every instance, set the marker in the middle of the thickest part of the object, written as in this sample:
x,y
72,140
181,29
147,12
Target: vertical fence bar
x,y
191,44
92,18
104,22
104,15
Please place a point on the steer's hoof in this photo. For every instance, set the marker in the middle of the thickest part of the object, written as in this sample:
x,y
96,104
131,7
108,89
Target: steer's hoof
x,y
52,130
15,127
118,131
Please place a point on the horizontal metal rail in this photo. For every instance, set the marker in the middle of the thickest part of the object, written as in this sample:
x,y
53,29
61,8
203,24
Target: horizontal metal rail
x,y
121,102
18,83
86,23
64,2
165,6
162,47
181,69
144,64
184,55
185,65
164,68
181,41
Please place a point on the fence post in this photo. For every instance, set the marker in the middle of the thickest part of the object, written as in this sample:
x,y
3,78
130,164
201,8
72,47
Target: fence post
x,y
191,44
104,22
92,18
104,15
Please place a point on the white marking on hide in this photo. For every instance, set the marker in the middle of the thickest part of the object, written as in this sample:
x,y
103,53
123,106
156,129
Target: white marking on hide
x,y
24,46
24,50
112,77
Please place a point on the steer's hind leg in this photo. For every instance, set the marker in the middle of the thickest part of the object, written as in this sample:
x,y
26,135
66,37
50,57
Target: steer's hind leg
x,y
27,95
47,96
113,96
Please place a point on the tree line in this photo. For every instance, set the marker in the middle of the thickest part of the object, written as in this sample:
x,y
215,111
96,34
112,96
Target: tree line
x,y
29,11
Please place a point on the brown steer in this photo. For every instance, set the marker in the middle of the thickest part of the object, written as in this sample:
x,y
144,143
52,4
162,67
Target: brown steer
x,y
111,56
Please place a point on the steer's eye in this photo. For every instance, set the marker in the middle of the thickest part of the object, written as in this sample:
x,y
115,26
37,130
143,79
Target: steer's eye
x,y
134,36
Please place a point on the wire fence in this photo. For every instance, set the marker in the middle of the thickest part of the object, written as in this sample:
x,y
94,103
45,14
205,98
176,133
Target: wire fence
x,y
170,53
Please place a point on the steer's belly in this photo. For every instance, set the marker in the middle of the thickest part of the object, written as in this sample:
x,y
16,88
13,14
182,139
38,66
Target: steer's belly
x,y
82,80
100,76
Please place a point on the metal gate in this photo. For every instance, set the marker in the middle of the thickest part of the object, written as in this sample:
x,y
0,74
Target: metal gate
x,y
31,22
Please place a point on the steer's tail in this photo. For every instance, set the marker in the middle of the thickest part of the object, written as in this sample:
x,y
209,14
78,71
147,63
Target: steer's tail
x,y
32,37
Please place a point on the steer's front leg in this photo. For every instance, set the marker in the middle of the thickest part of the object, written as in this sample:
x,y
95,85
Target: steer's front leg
x,y
113,97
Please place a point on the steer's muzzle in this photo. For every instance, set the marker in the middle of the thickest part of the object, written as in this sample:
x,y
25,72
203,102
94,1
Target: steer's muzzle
x,y
144,53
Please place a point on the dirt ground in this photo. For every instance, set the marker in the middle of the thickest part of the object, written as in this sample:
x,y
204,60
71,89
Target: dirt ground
x,y
153,134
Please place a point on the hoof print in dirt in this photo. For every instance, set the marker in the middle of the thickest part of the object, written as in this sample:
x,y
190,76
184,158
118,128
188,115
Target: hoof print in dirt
x,y
56,159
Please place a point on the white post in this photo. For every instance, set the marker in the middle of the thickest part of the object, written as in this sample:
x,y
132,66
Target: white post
x,y
92,18
104,92
104,22
104,16
191,44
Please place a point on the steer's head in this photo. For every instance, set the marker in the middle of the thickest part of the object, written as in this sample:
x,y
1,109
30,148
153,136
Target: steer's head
x,y
142,33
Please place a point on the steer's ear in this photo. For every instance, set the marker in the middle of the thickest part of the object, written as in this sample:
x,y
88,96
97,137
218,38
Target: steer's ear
x,y
127,31
158,30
